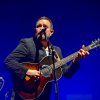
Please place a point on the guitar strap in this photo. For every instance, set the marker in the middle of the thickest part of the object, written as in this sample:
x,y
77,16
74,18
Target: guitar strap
x,y
57,56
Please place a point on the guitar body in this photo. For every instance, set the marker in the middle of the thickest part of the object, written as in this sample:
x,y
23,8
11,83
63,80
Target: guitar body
x,y
32,87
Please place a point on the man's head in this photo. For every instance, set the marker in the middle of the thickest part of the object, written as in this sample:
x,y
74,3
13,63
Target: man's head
x,y
44,22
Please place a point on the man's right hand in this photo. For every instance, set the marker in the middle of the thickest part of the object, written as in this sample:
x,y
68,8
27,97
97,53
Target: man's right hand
x,y
33,72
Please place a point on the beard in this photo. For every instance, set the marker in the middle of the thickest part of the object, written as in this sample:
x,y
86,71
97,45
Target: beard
x,y
42,36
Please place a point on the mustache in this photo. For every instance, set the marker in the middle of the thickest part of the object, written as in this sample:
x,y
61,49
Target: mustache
x,y
42,36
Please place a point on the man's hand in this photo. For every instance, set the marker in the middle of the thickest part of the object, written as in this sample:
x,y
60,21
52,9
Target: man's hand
x,y
33,72
81,54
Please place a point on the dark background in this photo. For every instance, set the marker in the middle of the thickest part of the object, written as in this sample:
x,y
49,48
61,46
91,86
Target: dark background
x,y
76,22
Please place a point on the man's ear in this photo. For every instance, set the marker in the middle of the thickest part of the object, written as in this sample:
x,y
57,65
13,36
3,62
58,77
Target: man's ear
x,y
52,31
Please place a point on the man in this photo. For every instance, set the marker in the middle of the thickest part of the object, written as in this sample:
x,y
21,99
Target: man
x,y
33,50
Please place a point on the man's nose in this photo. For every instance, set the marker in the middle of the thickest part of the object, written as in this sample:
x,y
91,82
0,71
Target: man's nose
x,y
42,27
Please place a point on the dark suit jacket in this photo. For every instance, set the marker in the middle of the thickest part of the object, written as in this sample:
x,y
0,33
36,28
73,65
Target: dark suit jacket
x,y
26,51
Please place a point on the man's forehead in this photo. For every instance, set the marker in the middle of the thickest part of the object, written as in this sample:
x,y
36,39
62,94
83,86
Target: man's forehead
x,y
43,21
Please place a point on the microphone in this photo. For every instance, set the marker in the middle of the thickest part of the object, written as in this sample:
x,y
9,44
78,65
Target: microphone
x,y
42,34
42,31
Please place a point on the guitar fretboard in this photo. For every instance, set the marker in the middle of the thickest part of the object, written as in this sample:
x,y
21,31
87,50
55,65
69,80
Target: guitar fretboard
x,y
70,57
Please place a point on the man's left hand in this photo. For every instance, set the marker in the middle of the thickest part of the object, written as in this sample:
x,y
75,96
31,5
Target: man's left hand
x,y
81,54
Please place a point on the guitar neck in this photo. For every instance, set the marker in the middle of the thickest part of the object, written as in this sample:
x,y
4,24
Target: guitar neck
x,y
70,57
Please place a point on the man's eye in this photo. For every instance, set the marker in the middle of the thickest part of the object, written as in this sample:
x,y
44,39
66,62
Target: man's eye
x,y
38,26
45,26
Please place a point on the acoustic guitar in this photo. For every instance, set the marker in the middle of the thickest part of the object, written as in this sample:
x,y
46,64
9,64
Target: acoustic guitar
x,y
32,87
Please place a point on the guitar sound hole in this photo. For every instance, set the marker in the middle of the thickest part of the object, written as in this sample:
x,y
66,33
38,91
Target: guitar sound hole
x,y
46,70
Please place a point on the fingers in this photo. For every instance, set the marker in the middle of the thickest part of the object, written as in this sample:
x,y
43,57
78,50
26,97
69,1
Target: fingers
x,y
36,73
82,52
33,72
86,52
83,46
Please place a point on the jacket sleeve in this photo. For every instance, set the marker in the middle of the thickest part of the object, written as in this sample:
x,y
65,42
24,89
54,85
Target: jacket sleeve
x,y
12,62
69,70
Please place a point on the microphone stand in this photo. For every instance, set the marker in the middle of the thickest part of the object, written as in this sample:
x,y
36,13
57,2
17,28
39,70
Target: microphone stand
x,y
54,73
53,54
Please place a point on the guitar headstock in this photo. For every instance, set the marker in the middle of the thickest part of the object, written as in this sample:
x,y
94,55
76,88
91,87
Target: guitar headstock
x,y
95,43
